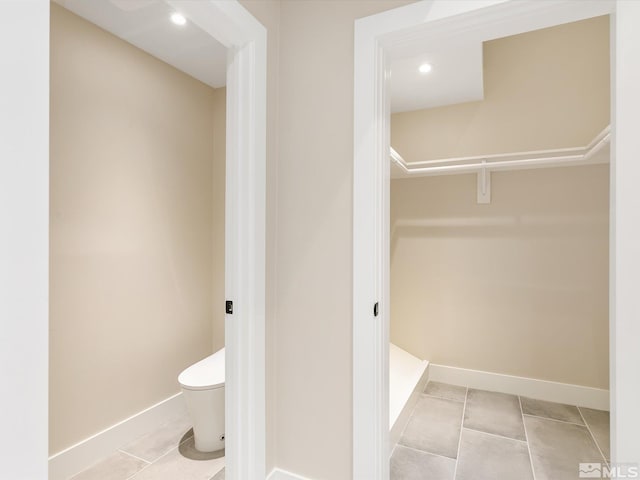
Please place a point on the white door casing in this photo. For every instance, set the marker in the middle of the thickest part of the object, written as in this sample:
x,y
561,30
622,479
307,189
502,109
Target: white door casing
x,y
24,146
408,31
246,41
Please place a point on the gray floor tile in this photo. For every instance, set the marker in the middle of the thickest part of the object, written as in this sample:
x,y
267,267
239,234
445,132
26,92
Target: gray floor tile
x,y
409,464
118,466
558,448
155,444
219,475
434,426
557,411
486,457
173,466
598,422
444,390
496,413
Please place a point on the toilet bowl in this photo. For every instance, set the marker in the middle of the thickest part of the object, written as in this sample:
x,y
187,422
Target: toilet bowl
x,y
203,390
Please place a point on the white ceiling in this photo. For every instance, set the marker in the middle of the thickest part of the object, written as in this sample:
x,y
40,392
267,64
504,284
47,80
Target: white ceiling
x,y
456,77
147,25
452,81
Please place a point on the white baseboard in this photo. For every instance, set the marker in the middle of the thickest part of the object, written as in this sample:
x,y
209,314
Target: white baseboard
x,y
528,387
401,422
277,474
82,455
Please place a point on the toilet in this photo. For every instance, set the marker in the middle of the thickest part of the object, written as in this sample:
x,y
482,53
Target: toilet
x,y
203,390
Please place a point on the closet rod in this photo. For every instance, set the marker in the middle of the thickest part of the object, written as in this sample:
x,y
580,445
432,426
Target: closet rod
x,y
557,157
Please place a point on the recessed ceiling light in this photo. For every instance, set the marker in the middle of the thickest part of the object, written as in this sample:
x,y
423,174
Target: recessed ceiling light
x,y
178,19
424,68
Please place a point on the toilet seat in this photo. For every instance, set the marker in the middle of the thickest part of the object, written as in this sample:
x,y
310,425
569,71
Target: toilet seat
x,y
207,374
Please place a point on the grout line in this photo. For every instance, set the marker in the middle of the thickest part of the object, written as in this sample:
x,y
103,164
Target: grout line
x,y
134,456
526,436
464,409
393,450
494,435
424,451
554,420
442,398
221,468
152,463
406,425
593,437
141,470
186,439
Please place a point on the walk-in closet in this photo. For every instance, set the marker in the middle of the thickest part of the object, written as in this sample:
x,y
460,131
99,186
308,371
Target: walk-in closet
x,y
499,261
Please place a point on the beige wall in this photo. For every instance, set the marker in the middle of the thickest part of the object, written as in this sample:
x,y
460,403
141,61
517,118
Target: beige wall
x,y
519,286
218,215
132,216
543,89
313,350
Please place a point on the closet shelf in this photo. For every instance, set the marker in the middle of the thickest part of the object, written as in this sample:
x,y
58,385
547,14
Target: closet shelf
x,y
594,153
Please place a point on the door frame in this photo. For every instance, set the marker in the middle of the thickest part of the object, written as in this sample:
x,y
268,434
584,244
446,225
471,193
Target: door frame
x,y
24,278
409,29
245,197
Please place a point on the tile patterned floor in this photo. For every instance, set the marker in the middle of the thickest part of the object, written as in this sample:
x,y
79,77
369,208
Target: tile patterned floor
x,y
456,433
167,453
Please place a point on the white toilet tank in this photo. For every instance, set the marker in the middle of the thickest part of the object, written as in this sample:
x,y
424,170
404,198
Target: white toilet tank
x,y
203,390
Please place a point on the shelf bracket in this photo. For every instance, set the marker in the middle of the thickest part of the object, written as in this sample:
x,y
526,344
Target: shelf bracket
x,y
484,184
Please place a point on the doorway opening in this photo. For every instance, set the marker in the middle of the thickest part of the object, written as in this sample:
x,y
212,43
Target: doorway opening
x,y
499,254
380,40
163,194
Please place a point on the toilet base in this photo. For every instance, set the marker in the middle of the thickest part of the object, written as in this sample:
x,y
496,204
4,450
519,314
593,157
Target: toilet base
x,y
206,409
206,444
